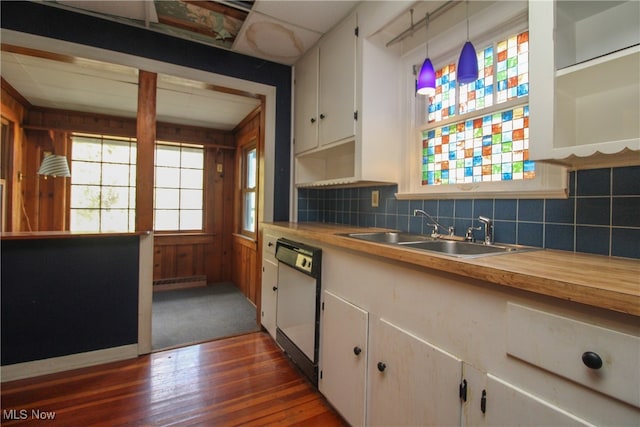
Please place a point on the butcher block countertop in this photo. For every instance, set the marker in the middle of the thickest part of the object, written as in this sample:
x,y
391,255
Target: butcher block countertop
x,y
596,280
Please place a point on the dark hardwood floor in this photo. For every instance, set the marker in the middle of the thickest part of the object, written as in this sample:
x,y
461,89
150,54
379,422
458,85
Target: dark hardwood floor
x,y
244,380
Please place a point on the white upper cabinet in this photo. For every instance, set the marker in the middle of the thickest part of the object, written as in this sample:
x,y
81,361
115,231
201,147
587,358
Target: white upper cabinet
x,y
306,100
347,106
337,84
325,90
585,82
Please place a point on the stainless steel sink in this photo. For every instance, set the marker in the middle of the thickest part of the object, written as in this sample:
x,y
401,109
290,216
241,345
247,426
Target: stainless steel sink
x,y
466,249
390,237
447,247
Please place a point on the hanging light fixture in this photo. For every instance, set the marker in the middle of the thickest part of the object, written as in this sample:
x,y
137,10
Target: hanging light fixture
x,y
427,75
54,165
468,62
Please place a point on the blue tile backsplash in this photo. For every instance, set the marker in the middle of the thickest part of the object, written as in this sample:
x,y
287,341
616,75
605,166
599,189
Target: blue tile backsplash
x,y
601,215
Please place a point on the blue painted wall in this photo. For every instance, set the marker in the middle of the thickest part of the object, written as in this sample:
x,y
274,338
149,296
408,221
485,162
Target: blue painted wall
x,y
56,23
68,295
601,215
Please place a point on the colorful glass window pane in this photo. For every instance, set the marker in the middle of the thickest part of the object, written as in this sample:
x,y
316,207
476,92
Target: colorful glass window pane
x,y
494,147
443,104
512,68
479,94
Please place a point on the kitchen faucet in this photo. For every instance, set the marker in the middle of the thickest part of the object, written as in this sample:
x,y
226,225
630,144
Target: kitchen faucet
x,y
488,229
435,224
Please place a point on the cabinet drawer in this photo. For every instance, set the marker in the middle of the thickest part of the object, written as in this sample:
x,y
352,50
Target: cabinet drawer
x,y
557,344
269,247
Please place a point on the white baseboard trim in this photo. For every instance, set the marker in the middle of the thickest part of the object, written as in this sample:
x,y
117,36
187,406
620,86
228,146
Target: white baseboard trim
x,y
64,363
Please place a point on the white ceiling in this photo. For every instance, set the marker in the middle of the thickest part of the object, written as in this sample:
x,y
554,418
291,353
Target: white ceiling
x,y
280,31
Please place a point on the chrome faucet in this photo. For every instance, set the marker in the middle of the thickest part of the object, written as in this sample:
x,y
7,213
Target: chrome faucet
x,y
435,224
488,229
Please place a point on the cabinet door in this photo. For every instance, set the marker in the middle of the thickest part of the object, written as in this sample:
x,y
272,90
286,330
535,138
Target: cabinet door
x,y
306,102
344,356
269,296
508,405
411,381
337,83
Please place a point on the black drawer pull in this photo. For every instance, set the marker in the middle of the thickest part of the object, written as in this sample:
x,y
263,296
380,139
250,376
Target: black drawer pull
x,y
357,350
382,366
591,360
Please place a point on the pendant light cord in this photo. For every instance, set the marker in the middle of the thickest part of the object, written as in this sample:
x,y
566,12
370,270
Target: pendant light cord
x,y
426,18
467,7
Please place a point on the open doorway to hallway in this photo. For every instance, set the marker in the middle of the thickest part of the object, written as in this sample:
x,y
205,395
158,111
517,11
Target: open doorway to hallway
x,y
197,314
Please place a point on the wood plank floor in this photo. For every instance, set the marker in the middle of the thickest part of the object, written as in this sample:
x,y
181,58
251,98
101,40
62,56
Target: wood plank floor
x,y
244,380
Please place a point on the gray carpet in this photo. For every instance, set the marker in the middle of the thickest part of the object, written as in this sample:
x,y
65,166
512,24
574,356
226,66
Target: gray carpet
x,y
191,315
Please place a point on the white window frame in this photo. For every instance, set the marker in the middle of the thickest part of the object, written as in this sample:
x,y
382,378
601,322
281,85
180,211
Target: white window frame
x,y
551,181
180,189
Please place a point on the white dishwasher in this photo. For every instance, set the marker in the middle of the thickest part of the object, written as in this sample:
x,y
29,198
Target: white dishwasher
x,y
298,306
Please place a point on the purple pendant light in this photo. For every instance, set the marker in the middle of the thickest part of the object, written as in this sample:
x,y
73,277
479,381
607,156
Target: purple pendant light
x,y
468,62
427,76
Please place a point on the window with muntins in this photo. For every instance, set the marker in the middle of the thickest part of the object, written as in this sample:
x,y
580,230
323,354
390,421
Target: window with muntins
x,y
179,187
249,186
479,132
103,184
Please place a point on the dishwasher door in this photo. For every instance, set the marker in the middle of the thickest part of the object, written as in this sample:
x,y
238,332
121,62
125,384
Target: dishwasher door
x,y
296,309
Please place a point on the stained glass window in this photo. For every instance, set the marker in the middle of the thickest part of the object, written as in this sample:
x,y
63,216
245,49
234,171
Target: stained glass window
x,y
479,94
512,67
443,104
494,147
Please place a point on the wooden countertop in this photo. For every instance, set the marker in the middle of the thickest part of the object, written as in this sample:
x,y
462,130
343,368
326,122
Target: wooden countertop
x,y
600,281
33,235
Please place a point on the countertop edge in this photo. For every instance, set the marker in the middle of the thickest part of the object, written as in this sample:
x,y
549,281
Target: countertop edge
x,y
613,299
35,235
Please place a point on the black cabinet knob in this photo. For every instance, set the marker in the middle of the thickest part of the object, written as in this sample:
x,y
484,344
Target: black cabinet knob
x,y
275,288
322,116
357,350
270,244
381,366
591,360
313,119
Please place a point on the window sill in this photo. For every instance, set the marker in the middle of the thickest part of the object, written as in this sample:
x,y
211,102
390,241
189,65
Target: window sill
x,y
551,182
471,194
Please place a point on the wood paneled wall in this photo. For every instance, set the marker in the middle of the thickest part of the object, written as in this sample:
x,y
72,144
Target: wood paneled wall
x,y
13,109
245,267
178,256
246,257
46,202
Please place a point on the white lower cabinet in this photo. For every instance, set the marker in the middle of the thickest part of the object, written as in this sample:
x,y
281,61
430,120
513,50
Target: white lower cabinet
x,y
413,383
409,381
508,405
269,284
491,401
345,330
269,296
423,337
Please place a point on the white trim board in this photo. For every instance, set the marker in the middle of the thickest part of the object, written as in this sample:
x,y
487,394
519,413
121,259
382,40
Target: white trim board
x,y
64,363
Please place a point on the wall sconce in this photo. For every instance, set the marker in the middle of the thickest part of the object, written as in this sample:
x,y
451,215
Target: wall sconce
x,y
54,165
